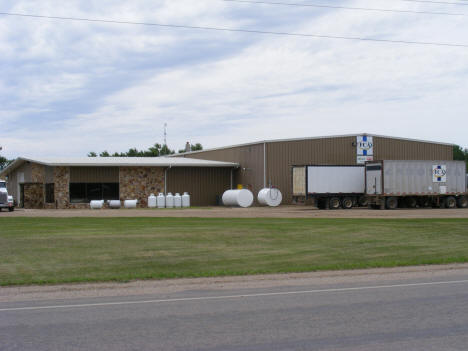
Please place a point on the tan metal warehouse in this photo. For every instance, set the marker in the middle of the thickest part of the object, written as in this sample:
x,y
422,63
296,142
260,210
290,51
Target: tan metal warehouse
x,y
73,182
266,163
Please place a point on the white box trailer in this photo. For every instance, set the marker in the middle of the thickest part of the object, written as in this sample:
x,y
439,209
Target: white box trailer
x,y
330,186
390,183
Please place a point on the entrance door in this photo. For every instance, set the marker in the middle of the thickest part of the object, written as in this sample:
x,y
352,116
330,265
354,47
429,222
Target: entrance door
x,y
21,195
373,179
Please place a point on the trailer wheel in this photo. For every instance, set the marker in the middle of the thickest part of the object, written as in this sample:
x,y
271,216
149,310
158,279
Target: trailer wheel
x,y
334,203
450,202
347,203
462,202
411,202
391,203
363,201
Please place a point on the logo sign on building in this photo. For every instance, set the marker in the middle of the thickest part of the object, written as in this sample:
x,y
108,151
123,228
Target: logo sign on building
x,y
365,148
439,173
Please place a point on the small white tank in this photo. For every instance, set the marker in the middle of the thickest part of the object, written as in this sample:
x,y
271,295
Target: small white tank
x,y
241,198
270,197
130,203
114,203
186,200
177,200
169,200
152,201
161,201
96,204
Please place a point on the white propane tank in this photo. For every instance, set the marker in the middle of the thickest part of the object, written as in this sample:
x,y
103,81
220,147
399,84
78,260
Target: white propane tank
x,y
96,204
186,200
152,201
242,198
161,201
270,197
177,200
169,200
130,203
114,203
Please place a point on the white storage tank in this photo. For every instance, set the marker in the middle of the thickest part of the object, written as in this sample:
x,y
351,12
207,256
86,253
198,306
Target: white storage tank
x,y
152,201
130,203
96,204
177,200
270,197
161,200
240,197
114,203
169,200
186,200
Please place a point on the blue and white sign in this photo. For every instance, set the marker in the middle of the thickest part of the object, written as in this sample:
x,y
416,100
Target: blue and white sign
x,y
365,148
439,173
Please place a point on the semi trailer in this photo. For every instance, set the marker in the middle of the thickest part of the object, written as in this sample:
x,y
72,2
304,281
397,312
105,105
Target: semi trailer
x,y
329,187
393,183
6,201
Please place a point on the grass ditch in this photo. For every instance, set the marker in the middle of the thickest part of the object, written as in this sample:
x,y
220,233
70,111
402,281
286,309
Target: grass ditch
x,y
65,250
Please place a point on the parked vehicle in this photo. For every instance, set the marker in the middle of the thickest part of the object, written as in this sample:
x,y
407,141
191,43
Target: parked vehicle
x,y
330,187
393,183
6,201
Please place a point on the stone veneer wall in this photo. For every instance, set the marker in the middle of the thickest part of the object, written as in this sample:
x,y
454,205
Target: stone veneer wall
x,y
33,195
140,182
62,187
37,173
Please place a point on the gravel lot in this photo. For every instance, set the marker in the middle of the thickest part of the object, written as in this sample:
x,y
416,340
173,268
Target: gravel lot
x,y
253,212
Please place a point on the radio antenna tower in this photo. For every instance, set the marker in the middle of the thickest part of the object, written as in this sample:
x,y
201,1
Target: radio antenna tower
x,y
165,133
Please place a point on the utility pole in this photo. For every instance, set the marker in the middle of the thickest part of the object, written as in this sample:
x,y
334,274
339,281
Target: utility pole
x,y
165,133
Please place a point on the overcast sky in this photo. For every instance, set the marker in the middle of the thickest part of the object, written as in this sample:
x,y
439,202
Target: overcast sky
x,y
68,87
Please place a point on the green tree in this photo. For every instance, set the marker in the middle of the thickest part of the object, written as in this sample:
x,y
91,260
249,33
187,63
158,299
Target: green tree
x,y
460,154
154,151
193,147
92,154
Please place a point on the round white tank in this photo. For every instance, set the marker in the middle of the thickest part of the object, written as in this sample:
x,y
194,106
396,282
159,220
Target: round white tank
x,y
242,198
161,201
130,203
186,200
96,204
169,200
114,203
152,201
177,200
270,197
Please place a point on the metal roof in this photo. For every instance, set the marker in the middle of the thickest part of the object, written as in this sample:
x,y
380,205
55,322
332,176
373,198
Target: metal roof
x,y
309,138
118,162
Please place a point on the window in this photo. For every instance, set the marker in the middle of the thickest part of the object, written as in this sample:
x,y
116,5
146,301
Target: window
x,y
49,192
85,192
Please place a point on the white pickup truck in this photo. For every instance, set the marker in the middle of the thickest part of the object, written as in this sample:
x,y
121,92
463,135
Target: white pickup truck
x,y
6,201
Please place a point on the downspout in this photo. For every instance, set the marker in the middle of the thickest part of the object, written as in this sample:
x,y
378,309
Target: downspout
x,y
264,165
165,179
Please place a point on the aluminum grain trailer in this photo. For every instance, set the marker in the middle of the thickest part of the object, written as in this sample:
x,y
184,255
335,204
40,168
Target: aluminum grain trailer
x,y
393,183
330,187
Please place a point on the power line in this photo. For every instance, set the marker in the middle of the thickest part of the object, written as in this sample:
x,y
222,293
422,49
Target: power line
x,y
250,31
345,7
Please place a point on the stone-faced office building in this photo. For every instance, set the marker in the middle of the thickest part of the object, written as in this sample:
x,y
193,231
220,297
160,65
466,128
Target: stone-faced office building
x,y
74,182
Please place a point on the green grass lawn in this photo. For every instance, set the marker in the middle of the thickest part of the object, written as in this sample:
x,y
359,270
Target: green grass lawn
x,y
58,250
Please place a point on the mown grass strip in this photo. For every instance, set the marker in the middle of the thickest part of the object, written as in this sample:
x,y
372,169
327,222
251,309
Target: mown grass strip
x,y
61,250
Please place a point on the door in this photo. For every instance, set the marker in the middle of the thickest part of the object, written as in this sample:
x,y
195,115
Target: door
x,y
373,179
21,196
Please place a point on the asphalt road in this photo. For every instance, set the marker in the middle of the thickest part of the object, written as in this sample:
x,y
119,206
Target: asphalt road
x,y
406,314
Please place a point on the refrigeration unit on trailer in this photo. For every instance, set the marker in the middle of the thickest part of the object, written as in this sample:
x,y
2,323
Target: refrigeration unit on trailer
x,y
390,183
330,186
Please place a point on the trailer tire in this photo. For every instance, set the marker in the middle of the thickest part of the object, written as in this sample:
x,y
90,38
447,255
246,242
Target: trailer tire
x,y
391,203
450,202
334,203
347,203
462,202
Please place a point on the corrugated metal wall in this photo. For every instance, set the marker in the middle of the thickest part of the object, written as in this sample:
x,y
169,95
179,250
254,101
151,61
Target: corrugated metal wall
x,y
94,174
282,155
203,184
